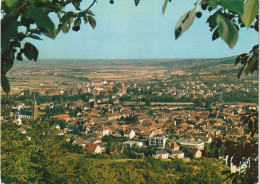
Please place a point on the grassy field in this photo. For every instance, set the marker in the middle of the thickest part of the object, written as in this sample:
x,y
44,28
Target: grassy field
x,y
44,73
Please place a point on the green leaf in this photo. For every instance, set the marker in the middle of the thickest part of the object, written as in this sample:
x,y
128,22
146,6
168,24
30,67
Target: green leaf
x,y
35,31
8,30
76,4
227,30
5,83
89,12
239,58
35,37
239,72
164,6
250,65
47,4
30,51
7,62
65,28
77,22
250,12
233,5
85,20
65,22
136,2
41,18
92,21
51,33
215,35
66,17
213,4
184,22
11,3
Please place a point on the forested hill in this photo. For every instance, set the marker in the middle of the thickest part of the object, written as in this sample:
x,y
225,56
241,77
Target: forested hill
x,y
48,161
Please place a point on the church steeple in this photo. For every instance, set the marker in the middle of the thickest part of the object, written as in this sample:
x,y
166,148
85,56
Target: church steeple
x,y
95,104
34,109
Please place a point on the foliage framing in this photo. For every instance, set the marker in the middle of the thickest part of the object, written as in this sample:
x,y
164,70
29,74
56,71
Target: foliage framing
x,y
33,17
23,19
226,18
224,21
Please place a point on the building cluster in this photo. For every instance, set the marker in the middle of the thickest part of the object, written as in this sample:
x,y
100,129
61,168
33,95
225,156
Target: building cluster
x,y
166,127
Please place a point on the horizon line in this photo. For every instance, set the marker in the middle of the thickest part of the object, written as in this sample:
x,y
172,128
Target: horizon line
x,y
129,59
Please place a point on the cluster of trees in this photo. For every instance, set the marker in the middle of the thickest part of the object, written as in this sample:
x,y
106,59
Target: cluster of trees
x,y
47,158
240,96
54,98
129,119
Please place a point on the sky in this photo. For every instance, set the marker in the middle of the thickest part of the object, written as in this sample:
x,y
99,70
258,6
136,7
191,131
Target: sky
x,y
124,31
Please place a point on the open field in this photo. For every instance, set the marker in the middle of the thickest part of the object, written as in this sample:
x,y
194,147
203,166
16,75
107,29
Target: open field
x,y
50,73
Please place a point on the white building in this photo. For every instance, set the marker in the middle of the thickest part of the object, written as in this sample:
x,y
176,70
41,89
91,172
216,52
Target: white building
x,y
129,133
177,154
161,154
157,141
192,144
132,143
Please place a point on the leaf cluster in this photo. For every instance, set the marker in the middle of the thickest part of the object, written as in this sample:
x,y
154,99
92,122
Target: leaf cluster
x,y
23,19
223,22
241,152
249,61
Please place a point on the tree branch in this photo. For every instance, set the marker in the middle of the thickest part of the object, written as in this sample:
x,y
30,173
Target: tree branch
x,y
94,1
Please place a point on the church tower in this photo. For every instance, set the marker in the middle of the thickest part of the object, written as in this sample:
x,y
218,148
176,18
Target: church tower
x,y
95,104
34,109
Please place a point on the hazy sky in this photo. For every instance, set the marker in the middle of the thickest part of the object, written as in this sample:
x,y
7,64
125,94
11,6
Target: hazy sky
x,y
124,31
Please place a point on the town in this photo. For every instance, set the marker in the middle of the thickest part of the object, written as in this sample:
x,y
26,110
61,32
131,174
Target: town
x,y
175,116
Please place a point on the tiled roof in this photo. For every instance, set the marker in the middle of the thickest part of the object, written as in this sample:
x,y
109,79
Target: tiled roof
x,y
90,147
62,116
80,141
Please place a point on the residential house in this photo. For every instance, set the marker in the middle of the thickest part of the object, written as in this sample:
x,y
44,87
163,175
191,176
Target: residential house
x,y
98,88
196,153
79,141
205,139
177,154
96,82
101,130
156,132
59,132
174,146
133,143
116,101
102,147
116,149
162,154
113,116
94,148
94,140
129,133
125,111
